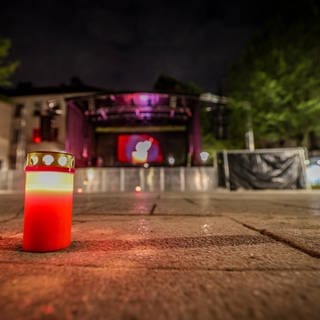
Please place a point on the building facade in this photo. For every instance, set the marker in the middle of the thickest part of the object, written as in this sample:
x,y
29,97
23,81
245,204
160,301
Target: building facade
x,y
33,119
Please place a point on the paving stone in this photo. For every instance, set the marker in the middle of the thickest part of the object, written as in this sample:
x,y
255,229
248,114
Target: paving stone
x,y
67,292
224,255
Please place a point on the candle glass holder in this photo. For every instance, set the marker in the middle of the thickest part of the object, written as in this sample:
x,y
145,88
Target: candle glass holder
x,y
48,201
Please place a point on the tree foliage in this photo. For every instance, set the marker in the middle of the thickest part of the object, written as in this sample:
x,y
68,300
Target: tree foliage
x,y
277,82
169,84
6,68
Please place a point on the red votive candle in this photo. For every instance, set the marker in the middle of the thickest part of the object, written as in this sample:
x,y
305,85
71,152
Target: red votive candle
x,y
48,201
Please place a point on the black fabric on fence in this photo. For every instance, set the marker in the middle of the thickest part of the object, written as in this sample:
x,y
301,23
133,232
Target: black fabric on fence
x,y
274,170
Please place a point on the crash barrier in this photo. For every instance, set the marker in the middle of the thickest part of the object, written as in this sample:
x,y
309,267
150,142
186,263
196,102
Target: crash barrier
x,y
12,180
152,179
283,168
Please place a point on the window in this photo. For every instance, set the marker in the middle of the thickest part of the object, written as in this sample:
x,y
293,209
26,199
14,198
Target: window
x,y
19,111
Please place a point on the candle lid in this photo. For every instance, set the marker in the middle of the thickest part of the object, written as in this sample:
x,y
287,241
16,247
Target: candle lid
x,y
50,159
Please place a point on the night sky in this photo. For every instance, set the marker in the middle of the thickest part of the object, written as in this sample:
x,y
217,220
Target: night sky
x,y
126,45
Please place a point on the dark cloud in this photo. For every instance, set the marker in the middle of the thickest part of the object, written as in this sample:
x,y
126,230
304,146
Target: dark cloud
x,y
127,44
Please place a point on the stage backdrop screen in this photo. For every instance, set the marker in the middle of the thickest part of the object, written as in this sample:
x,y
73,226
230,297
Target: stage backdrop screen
x,y
138,149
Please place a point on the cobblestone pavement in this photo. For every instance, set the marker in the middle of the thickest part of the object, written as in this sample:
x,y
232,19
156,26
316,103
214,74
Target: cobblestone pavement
x,y
222,255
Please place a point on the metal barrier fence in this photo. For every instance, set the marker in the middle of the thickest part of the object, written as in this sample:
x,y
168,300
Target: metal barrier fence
x,y
88,180
150,180
12,180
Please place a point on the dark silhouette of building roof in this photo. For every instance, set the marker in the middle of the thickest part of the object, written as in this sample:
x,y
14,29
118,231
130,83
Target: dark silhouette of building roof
x,y
27,89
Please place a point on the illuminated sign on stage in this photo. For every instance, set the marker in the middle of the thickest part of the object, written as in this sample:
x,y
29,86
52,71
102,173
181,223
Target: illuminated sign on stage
x,y
138,149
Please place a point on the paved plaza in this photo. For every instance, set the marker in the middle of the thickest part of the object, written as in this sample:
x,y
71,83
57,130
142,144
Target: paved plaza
x,y
219,255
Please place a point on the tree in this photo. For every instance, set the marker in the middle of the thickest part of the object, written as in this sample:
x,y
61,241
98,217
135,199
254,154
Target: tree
x,y
169,84
6,68
277,83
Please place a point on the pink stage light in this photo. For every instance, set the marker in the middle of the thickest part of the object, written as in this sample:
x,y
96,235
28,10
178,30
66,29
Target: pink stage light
x,y
142,99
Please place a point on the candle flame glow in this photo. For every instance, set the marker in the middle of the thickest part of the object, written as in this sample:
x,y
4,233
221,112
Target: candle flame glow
x,y
49,181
